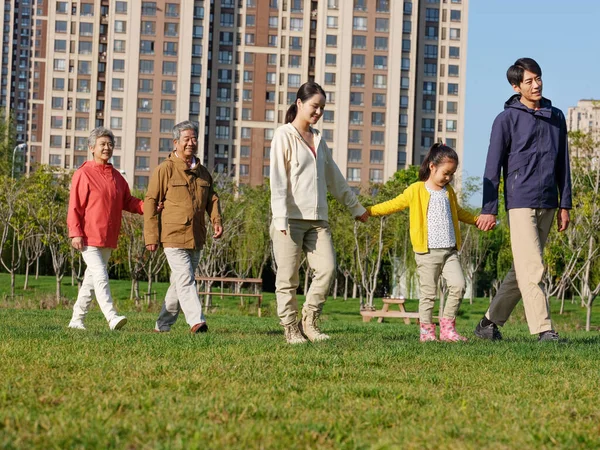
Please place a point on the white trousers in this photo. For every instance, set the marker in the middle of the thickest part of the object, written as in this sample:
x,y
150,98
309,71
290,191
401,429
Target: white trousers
x,y
95,280
182,293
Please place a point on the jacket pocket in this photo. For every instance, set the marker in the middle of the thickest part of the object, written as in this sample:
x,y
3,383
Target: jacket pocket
x,y
177,191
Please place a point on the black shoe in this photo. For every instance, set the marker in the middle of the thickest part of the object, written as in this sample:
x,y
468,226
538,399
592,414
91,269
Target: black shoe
x,y
549,336
199,328
489,332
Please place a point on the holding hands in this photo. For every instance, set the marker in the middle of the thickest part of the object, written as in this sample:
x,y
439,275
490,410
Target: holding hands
x,y
365,216
486,222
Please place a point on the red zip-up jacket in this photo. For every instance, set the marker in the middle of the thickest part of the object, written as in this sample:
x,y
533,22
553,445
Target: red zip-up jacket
x,y
99,194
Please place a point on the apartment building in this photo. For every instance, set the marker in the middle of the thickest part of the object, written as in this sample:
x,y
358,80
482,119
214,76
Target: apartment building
x,y
394,72
585,117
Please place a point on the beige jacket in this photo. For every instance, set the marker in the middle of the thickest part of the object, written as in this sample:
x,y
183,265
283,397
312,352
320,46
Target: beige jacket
x,y
188,195
299,181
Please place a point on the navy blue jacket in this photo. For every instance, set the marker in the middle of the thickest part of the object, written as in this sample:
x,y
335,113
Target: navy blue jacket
x,y
531,148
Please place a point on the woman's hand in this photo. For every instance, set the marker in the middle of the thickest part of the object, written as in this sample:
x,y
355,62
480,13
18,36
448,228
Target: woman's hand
x,y
77,243
365,216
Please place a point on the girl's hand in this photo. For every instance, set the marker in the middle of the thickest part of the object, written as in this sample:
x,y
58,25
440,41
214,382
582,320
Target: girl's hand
x,y
364,217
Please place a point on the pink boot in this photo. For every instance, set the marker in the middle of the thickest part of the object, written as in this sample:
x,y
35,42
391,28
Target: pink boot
x,y
428,332
448,331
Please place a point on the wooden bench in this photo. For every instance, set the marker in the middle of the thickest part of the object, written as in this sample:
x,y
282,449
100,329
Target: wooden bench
x,y
255,282
385,312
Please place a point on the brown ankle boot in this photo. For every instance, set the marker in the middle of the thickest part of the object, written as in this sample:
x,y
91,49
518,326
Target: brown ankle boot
x,y
293,335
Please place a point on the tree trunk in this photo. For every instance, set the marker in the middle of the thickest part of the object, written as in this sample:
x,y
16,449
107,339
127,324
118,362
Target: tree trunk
x,y
37,268
346,287
12,283
335,288
354,289
588,316
57,289
562,300
25,285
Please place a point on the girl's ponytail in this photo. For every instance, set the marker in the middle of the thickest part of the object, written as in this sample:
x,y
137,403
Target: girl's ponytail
x,y
437,154
290,115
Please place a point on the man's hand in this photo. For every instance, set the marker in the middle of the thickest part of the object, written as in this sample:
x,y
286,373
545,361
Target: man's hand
x,y
365,216
77,243
159,207
563,219
218,231
486,222
151,247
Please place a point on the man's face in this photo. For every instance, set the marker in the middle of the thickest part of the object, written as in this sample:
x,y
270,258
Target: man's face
x,y
102,150
531,87
187,145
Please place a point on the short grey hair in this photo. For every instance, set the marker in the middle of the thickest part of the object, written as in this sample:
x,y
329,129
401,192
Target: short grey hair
x,y
98,133
182,126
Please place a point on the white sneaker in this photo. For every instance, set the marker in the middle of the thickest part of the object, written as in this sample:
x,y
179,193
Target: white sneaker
x,y
76,324
117,322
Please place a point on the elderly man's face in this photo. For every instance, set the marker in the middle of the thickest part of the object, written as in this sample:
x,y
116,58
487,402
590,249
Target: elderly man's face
x,y
102,150
187,145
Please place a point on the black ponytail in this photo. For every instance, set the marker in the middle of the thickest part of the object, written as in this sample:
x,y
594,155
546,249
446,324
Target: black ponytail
x,y
306,91
437,154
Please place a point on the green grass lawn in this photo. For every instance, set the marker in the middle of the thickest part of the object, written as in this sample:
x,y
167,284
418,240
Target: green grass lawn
x,y
240,386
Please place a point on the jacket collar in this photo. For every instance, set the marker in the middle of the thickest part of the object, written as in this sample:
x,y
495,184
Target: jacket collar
x,y
514,102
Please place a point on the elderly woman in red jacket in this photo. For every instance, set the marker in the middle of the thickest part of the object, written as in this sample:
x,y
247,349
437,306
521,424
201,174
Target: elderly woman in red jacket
x,y
99,194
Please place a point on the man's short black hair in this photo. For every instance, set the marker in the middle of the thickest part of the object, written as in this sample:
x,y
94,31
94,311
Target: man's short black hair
x,y
515,72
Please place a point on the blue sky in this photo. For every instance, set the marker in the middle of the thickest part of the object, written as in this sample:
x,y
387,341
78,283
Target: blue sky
x,y
562,36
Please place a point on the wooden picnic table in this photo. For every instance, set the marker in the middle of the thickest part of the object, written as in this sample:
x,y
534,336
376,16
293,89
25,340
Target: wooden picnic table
x,y
384,312
208,281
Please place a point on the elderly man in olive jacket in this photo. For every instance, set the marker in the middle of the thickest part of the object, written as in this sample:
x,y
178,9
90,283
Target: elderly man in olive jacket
x,y
185,187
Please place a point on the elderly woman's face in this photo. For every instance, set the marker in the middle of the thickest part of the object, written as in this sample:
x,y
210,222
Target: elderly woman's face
x,y
102,150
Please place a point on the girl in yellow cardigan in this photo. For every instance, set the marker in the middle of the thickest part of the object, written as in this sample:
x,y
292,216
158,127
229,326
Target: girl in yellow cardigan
x,y
435,237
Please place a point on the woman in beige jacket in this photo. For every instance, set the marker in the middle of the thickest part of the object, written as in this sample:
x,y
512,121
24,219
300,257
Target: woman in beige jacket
x,y
302,171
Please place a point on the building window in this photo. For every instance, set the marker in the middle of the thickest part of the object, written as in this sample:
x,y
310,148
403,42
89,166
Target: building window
x,y
353,174
169,87
121,7
357,79
246,114
144,124
331,40
85,47
142,163
454,52
81,123
451,125
58,103
380,81
119,46
270,115
432,14
359,42
144,105
60,45
360,5
145,86
382,25
329,78
376,176
164,145
354,155
330,59
359,24
381,43
379,62
118,84
294,80
59,65
172,10
296,24
146,66
376,157
357,98
431,51
60,26
358,60
377,137
169,68
120,26
452,70
82,105
148,28
116,123
328,116
406,45
61,7
452,89
140,182
356,117
246,133
428,125
171,29
148,8
451,107
454,15
430,69
56,122
355,136
170,49
332,22
86,29
55,160
83,86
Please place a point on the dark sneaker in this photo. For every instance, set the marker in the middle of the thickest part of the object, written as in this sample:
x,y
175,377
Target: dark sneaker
x,y
489,332
199,328
549,336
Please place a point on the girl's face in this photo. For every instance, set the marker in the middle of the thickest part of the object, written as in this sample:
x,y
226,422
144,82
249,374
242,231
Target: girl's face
x,y
443,173
312,109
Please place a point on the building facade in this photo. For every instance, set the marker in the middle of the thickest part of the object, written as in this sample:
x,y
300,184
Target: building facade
x,y
585,117
394,72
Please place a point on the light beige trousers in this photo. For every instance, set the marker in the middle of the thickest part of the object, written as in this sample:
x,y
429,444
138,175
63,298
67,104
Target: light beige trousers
x,y
314,238
529,229
444,262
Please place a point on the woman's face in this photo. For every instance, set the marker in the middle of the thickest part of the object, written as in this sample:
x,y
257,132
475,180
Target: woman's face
x,y
312,109
102,150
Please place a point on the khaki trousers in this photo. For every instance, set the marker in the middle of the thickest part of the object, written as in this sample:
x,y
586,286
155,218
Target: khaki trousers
x,y
314,238
529,230
444,262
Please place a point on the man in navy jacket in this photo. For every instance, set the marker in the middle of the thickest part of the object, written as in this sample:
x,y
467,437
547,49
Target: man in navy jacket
x,y
529,144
